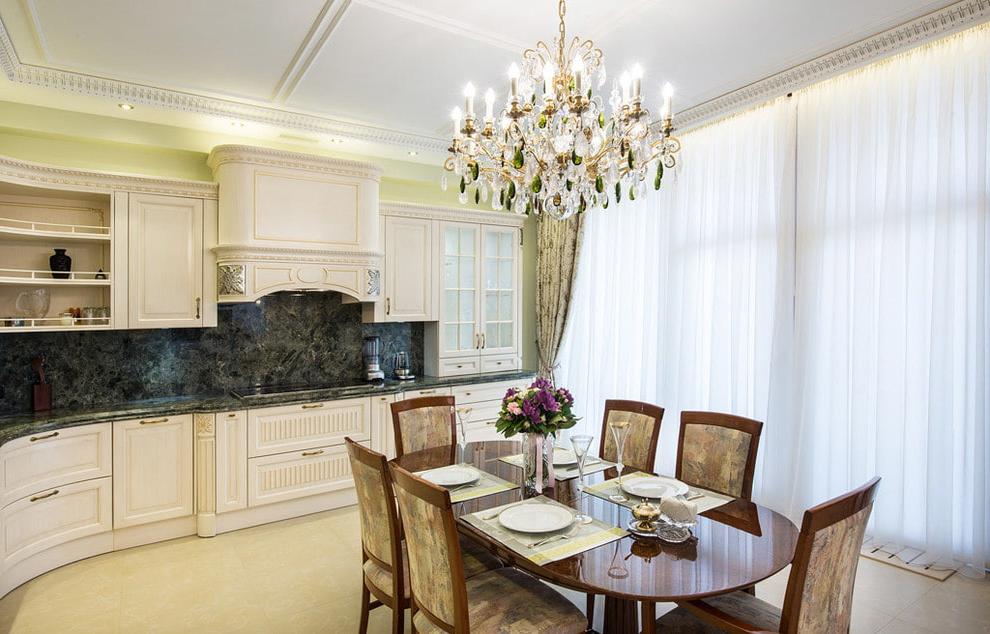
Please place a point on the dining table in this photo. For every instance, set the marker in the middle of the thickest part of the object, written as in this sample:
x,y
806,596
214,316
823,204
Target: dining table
x,y
733,546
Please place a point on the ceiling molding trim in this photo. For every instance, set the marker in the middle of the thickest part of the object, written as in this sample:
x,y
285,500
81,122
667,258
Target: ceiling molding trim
x,y
309,50
39,35
223,154
117,91
41,174
935,25
442,23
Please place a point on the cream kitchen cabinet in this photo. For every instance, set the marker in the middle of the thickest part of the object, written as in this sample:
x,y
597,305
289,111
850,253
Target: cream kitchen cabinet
x,y
170,269
409,284
231,461
383,436
153,469
288,428
479,325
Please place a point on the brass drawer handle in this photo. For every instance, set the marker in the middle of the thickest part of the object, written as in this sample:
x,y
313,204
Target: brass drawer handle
x,y
421,392
382,398
154,421
44,495
231,415
45,437
467,394
313,406
312,453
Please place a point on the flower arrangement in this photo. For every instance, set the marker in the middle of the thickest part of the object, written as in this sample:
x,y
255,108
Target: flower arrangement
x,y
540,409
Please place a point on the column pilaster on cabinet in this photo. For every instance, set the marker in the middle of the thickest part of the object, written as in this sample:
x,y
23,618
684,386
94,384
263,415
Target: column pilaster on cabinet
x,y
206,473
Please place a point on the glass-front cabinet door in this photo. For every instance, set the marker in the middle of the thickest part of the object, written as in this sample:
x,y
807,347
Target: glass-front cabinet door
x,y
498,276
459,311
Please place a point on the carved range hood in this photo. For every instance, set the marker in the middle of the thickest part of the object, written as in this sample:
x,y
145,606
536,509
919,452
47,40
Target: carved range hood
x,y
290,221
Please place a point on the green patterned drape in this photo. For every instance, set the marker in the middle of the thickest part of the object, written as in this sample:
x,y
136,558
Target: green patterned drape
x,y
558,243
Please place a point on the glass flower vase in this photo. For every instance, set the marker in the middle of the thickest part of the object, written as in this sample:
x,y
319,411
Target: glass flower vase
x,y
537,464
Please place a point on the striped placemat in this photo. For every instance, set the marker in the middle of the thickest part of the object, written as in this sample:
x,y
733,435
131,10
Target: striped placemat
x,y
487,484
703,498
591,465
581,537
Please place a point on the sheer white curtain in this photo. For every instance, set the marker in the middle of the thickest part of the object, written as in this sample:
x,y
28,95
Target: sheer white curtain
x,y
679,293
892,301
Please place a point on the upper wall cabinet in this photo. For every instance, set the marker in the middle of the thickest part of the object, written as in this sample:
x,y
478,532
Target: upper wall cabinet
x,y
166,287
130,251
293,221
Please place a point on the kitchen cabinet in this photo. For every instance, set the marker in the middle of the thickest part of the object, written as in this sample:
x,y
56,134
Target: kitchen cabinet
x,y
166,262
287,476
478,329
383,435
409,284
231,461
296,427
153,469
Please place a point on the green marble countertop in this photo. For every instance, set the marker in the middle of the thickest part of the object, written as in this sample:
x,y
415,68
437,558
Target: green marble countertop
x,y
17,425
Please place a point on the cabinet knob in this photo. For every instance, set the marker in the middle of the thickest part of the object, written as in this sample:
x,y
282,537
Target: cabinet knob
x,y
46,436
154,421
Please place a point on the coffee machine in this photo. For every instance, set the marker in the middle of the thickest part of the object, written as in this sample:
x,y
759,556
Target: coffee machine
x,y
371,351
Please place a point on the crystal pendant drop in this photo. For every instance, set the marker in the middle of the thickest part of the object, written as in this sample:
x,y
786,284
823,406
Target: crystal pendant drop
x,y
462,198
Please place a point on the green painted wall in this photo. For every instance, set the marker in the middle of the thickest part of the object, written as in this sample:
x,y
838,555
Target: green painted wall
x,y
71,139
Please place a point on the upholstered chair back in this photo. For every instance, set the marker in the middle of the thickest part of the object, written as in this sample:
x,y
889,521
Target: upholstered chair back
x,y
436,570
820,587
423,423
380,536
718,452
640,450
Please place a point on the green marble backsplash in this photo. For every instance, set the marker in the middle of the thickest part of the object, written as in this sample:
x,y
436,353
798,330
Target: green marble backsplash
x,y
287,338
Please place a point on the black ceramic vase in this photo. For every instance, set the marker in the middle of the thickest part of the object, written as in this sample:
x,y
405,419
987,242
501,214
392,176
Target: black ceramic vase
x,y
60,265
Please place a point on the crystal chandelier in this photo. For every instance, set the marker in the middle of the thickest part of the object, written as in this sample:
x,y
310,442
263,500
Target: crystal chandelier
x,y
554,148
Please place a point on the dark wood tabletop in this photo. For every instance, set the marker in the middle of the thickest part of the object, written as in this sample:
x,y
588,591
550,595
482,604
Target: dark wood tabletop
x,y
734,546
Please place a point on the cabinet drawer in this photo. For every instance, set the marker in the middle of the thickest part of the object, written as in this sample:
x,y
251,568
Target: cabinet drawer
x,y
499,364
480,412
433,391
54,517
459,367
484,392
295,427
298,474
50,459
482,431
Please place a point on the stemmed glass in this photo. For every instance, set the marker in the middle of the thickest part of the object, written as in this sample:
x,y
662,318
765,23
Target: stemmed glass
x,y
462,413
620,431
581,444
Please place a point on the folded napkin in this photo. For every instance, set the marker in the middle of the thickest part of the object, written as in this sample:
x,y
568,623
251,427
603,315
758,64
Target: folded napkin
x,y
678,510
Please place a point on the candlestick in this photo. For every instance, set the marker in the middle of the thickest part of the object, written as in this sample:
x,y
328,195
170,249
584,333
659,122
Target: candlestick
x,y
577,66
489,104
469,99
455,115
548,72
668,96
637,81
513,80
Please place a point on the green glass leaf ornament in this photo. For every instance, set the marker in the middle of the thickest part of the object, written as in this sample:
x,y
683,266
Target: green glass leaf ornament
x,y
463,185
501,198
569,185
605,203
537,185
475,171
512,189
599,184
629,158
518,159
477,196
601,119
577,160
529,207
632,192
618,193
542,121
659,176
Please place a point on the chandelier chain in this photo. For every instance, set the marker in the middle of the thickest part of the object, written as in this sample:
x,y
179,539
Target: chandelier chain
x,y
561,11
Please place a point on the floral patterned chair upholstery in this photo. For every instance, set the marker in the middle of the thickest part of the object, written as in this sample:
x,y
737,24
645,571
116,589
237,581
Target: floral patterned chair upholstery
x,y
444,599
718,452
423,423
640,450
382,542
819,592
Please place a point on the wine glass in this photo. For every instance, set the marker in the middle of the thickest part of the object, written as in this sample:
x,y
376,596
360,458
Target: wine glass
x,y
620,431
581,444
462,413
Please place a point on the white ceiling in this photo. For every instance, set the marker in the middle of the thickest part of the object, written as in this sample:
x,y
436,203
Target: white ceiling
x,y
400,64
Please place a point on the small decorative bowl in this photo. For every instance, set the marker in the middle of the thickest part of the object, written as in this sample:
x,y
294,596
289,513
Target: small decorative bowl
x,y
646,515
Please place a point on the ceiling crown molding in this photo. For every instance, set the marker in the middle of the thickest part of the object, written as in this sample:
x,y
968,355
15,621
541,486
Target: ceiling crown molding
x,y
935,25
117,90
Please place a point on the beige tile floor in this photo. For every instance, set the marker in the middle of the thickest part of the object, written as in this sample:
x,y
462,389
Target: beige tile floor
x,y
301,576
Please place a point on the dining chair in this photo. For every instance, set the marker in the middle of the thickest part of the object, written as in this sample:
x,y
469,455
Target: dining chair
x,y
382,541
639,452
819,594
423,423
718,452
444,599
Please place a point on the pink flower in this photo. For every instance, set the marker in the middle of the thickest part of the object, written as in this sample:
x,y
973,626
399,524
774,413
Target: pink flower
x,y
514,408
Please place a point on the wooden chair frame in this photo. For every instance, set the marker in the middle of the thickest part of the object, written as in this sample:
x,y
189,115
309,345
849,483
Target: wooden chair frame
x,y
634,407
730,421
440,498
399,407
815,519
397,602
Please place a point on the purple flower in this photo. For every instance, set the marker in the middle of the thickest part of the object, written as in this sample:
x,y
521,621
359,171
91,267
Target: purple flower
x,y
565,395
509,393
532,411
546,400
541,384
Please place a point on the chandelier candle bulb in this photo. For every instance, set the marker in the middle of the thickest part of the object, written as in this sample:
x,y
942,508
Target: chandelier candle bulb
x,y
637,81
489,105
548,72
577,66
469,100
455,115
668,97
513,80
624,81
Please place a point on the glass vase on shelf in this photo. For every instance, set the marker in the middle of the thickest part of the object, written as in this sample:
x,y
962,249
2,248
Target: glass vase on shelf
x,y
537,464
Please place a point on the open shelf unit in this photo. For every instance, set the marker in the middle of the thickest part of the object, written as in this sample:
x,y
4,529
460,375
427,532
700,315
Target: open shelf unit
x,y
34,221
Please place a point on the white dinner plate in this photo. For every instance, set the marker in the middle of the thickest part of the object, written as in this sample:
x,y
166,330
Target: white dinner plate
x,y
654,487
535,518
451,476
562,457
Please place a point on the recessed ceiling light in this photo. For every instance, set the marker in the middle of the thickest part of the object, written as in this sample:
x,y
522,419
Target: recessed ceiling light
x,y
413,153
125,106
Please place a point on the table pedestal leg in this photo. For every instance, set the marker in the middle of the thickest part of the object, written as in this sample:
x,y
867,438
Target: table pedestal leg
x,y
621,616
